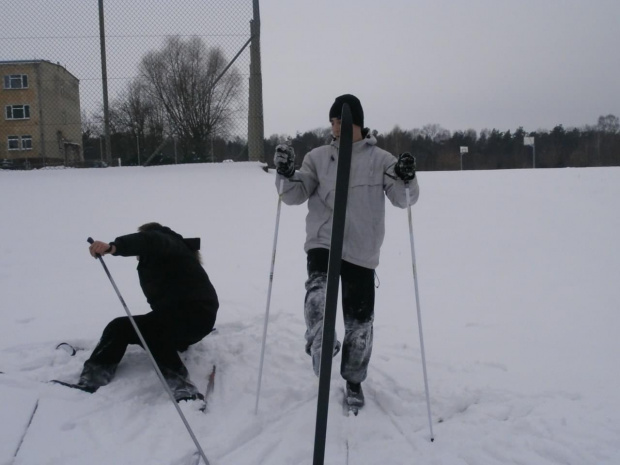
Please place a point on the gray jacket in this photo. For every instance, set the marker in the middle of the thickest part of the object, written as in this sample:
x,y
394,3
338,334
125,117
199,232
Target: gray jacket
x,y
372,178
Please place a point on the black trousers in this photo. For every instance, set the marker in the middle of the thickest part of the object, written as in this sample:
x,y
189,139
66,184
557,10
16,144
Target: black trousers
x,y
165,333
358,304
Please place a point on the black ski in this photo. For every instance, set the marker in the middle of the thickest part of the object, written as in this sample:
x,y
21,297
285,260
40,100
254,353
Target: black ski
x,y
87,389
70,349
333,280
205,398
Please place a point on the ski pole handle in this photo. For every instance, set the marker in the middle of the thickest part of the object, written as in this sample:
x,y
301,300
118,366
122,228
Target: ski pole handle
x,y
90,240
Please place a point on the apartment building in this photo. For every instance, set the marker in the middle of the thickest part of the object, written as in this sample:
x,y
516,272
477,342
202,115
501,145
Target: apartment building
x,y
41,120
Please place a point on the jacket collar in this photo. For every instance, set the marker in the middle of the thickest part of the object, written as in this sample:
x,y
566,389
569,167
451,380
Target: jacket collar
x,y
360,144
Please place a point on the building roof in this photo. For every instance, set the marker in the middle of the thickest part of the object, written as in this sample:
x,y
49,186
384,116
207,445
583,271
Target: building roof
x,y
35,61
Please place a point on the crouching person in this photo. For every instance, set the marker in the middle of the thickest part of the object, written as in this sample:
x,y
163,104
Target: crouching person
x,y
183,301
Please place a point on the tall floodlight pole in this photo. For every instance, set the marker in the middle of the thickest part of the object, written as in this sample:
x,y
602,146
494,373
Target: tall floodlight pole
x,y
530,141
256,136
104,84
464,150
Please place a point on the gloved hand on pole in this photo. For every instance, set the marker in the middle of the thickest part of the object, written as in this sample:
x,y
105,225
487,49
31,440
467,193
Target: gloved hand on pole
x,y
284,160
405,166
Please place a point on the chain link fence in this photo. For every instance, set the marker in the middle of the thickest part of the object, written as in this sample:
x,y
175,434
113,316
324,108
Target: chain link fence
x,y
166,82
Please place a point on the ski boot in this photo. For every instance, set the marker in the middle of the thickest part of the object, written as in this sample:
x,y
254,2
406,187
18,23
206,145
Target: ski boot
x,y
354,396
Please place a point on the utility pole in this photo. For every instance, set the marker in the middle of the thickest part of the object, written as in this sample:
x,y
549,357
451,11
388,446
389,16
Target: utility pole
x,y
256,132
104,84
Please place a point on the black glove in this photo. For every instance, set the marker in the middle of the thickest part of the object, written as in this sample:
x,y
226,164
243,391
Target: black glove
x,y
284,159
405,166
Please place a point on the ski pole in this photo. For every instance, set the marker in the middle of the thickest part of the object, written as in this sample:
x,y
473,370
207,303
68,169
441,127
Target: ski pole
x,y
273,263
151,358
417,302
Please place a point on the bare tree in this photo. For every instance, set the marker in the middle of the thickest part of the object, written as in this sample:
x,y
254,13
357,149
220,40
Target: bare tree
x,y
90,125
137,113
134,107
182,78
435,132
397,140
609,124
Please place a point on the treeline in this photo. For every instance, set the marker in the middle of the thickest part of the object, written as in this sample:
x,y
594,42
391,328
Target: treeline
x,y
437,149
434,147
153,149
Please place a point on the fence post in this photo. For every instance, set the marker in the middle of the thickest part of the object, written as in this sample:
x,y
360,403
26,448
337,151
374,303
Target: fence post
x,y
104,84
256,150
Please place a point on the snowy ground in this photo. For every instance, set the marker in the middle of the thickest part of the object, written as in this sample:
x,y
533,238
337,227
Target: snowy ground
x,y
519,284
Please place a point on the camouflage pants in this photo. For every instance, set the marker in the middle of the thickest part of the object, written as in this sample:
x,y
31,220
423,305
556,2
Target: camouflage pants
x,y
358,301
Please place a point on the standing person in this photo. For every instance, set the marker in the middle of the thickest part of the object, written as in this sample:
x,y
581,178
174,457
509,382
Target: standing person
x,y
183,301
375,174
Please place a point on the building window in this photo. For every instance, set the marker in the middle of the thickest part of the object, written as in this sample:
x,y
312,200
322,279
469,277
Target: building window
x,y
16,81
13,143
26,142
18,112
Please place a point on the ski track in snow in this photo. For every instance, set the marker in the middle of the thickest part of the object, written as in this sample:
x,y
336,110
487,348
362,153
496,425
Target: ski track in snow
x,y
496,415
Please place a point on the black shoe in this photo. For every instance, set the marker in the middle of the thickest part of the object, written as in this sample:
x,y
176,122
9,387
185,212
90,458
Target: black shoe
x,y
355,395
180,385
95,375
197,402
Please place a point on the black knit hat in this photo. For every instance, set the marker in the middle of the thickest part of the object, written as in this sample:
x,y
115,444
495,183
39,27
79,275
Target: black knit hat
x,y
357,112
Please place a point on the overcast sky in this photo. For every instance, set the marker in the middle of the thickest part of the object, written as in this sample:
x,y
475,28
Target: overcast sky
x,y
462,64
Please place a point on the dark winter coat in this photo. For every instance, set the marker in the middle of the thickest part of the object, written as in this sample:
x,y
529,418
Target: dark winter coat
x,y
170,273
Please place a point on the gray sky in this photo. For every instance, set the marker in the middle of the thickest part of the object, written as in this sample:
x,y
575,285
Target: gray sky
x,y
462,64
458,63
